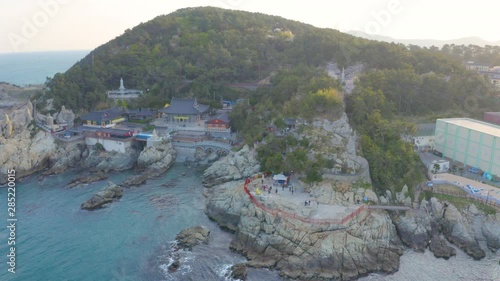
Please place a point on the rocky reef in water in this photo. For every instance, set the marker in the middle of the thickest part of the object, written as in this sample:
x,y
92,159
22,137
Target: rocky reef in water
x,y
107,195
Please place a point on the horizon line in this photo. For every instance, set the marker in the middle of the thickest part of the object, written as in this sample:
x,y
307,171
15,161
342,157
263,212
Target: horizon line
x,y
46,51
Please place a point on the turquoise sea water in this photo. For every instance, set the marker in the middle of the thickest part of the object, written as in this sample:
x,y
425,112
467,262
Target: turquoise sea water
x,y
33,68
131,239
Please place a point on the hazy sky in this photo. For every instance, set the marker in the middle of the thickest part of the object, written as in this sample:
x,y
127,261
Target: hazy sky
x,y
42,25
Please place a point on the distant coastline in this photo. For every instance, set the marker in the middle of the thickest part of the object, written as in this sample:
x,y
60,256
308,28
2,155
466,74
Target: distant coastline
x,y
34,67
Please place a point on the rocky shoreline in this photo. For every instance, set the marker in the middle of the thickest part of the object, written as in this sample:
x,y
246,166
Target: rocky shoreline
x,y
325,252
30,150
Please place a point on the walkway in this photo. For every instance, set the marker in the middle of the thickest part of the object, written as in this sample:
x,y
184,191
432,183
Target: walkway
x,y
286,203
204,144
390,208
489,193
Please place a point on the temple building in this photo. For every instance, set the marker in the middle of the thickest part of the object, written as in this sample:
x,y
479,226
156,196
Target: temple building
x,y
184,111
104,118
122,93
218,123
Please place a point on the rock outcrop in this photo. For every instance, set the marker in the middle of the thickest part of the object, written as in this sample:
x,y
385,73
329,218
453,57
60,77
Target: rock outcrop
x,y
152,162
305,251
100,160
64,116
338,142
235,166
26,153
67,155
342,193
105,196
87,179
239,271
435,219
188,238
440,248
224,206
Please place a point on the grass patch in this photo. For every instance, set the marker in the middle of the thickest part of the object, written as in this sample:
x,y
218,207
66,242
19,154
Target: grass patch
x,y
463,203
450,188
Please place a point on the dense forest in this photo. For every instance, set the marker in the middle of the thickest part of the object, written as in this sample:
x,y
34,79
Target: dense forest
x,y
198,52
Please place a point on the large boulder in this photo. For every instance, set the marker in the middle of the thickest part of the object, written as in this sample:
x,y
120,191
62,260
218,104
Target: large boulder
x,y
239,271
152,162
64,116
188,238
158,156
107,195
459,232
491,230
235,166
440,248
414,229
99,160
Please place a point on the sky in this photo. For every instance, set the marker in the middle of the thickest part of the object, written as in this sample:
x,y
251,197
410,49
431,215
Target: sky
x,y
53,25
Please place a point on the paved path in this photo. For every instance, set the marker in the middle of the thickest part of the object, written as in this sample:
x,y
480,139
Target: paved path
x,y
494,192
296,202
393,208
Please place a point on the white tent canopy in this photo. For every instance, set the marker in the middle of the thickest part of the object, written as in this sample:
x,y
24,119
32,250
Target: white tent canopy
x,y
279,177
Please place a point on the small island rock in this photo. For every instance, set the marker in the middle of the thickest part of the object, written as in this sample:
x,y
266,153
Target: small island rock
x,y
106,195
188,238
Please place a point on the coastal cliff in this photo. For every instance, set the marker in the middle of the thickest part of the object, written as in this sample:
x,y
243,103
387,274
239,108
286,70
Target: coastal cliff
x,y
28,149
302,250
235,166
22,147
337,141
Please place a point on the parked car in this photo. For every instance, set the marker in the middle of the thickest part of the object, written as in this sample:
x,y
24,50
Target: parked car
x,y
474,170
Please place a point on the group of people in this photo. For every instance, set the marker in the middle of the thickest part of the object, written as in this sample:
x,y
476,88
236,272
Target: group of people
x,y
269,188
307,203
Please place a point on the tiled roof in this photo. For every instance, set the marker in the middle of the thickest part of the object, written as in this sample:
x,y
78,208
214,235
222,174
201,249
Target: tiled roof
x,y
142,112
223,117
185,106
104,115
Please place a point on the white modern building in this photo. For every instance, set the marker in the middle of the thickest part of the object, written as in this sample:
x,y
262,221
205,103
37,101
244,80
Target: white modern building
x,y
439,166
471,142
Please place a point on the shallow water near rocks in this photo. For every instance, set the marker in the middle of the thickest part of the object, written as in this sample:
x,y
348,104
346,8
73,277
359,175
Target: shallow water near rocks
x,y
55,240
131,239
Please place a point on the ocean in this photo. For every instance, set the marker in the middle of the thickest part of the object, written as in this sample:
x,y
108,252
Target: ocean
x,y
132,239
33,68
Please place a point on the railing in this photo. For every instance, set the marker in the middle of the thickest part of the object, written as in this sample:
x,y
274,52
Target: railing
x,y
492,202
280,213
209,144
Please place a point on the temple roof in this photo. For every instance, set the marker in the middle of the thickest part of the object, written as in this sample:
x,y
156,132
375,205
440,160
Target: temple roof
x,y
185,106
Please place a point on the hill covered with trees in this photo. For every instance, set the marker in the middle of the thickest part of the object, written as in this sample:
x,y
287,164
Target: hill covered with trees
x,y
198,52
